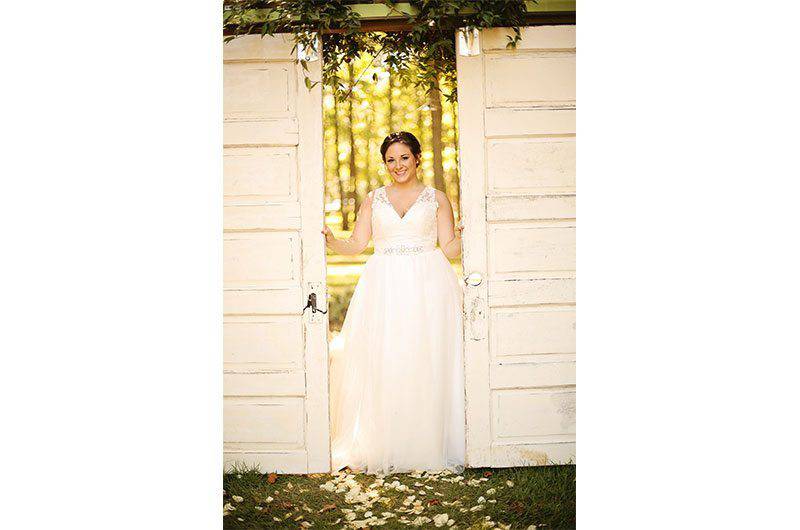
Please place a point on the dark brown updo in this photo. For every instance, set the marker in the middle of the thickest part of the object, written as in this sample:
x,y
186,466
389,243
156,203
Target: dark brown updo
x,y
402,137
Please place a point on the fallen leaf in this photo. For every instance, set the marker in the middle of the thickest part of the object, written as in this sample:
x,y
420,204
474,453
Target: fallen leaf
x,y
516,506
487,473
272,477
434,502
327,507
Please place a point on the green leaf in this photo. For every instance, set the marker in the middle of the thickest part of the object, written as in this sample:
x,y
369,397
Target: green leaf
x,y
308,83
304,64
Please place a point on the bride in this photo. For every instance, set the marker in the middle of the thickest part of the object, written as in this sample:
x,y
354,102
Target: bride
x,y
397,396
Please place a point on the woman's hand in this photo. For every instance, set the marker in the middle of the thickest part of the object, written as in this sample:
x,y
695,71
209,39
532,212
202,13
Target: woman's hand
x,y
326,231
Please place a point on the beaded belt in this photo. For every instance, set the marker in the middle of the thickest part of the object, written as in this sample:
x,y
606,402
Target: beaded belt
x,y
403,249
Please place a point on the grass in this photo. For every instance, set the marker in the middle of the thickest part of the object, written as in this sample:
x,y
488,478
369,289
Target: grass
x,y
542,496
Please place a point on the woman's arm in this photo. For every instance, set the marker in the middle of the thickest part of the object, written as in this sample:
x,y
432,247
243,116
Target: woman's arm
x,y
448,234
362,232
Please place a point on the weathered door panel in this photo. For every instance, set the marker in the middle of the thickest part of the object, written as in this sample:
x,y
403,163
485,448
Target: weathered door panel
x,y
275,356
517,165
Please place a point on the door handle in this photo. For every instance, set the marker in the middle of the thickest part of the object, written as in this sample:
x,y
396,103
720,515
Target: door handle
x,y
312,303
474,279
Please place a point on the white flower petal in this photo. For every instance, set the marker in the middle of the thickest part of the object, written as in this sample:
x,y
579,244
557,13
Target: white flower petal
x,y
441,519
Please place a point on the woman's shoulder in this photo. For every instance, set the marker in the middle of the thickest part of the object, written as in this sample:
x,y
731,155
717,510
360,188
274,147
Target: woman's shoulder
x,y
376,191
441,197
372,194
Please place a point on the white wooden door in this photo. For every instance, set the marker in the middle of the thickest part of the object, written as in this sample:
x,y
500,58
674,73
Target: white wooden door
x,y
275,355
517,165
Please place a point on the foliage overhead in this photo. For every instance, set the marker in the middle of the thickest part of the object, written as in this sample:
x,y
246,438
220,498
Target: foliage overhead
x,y
426,48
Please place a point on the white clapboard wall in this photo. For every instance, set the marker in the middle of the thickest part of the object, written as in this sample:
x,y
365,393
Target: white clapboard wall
x,y
517,167
275,355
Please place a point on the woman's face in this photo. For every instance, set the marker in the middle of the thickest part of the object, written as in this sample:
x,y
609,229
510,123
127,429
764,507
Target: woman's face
x,y
401,163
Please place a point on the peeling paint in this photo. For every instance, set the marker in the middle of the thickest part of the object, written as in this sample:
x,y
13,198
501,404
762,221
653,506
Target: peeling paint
x,y
538,458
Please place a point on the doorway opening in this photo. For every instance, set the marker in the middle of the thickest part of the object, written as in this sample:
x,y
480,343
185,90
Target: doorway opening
x,y
378,103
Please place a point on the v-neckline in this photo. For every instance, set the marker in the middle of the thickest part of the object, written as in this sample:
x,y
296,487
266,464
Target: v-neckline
x,y
424,187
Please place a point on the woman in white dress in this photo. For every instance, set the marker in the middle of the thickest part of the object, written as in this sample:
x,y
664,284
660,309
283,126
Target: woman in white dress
x,y
398,393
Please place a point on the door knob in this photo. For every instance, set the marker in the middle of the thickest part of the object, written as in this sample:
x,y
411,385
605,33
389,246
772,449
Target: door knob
x,y
473,279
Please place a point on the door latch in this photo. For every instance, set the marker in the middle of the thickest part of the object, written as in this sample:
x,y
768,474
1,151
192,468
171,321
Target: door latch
x,y
312,303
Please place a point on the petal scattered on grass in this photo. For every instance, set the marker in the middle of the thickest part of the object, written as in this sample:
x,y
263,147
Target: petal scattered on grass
x,y
441,519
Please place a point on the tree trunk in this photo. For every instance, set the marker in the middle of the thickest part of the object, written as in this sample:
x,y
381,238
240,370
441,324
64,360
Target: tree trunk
x,y
353,167
422,130
337,167
390,97
435,103
371,177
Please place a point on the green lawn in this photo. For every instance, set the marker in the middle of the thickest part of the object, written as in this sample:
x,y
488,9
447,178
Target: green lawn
x,y
529,497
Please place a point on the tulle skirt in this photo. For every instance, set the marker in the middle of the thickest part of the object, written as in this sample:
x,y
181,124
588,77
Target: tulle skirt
x,y
397,385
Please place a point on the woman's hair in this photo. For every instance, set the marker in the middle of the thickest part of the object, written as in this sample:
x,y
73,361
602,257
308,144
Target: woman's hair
x,y
402,137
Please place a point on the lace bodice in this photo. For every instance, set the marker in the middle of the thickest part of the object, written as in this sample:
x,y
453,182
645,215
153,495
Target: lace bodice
x,y
413,233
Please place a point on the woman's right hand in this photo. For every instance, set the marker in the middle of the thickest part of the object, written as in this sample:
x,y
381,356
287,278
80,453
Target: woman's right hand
x,y
326,231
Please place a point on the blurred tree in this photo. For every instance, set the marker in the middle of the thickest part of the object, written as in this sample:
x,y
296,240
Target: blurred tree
x,y
338,166
435,104
353,173
390,103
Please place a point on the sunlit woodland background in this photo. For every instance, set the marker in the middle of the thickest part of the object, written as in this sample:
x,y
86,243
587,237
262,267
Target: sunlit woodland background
x,y
380,102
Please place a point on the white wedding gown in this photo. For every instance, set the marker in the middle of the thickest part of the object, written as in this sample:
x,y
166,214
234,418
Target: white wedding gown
x,y
398,391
